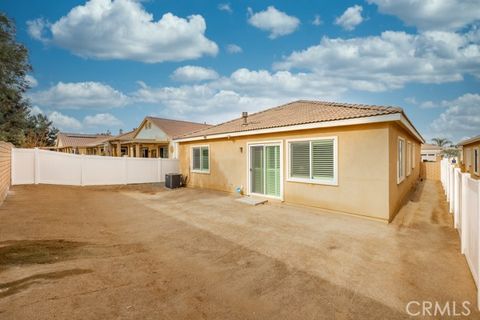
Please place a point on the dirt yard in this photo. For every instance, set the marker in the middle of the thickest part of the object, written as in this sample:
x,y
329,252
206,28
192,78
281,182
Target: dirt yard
x,y
144,252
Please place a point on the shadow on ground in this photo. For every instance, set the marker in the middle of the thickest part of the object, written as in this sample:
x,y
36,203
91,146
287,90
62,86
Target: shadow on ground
x,y
9,288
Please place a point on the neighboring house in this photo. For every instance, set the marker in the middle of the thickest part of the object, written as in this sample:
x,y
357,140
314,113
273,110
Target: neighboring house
x,y
152,138
78,143
471,155
431,152
350,158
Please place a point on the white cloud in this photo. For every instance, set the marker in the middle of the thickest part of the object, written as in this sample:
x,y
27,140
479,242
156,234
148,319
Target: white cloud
x,y
225,7
64,122
351,18
78,95
317,21
233,48
35,110
122,29
276,22
460,119
193,73
32,82
391,60
102,120
432,14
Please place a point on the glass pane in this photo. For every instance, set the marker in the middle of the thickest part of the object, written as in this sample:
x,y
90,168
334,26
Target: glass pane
x,y
196,159
272,170
205,158
322,159
257,169
300,160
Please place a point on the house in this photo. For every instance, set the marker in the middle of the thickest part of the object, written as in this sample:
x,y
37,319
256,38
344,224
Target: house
x,y
152,138
78,143
431,152
349,158
471,155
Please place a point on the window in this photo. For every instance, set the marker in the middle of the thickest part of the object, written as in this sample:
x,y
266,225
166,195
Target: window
x,y
468,158
409,158
201,159
400,160
313,161
414,148
476,159
163,152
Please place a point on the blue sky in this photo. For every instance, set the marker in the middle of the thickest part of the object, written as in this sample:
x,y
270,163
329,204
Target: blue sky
x,y
104,64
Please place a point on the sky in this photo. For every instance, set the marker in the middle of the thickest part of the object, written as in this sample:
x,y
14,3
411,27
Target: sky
x,y
106,64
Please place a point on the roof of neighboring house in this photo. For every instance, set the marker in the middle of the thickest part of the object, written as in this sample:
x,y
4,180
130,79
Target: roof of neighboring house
x,y
469,141
429,146
173,128
295,113
74,140
123,136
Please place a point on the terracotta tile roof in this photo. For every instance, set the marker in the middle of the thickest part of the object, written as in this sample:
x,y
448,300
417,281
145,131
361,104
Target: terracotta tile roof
x,y
296,113
79,139
175,128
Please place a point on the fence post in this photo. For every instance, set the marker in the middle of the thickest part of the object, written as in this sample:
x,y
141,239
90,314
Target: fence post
x,y
36,166
464,218
159,169
478,239
452,188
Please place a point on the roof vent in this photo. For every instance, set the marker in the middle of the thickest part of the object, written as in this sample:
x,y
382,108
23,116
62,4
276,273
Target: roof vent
x,y
245,118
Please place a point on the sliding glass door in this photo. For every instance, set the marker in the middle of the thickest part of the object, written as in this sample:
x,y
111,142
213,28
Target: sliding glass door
x,y
265,169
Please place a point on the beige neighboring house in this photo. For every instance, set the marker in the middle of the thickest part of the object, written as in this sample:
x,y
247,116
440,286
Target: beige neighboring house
x,y
471,155
356,159
79,143
431,152
152,138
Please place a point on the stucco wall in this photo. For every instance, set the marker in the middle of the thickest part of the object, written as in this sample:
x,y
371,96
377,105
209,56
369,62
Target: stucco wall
x,y
430,170
5,168
362,169
398,192
469,168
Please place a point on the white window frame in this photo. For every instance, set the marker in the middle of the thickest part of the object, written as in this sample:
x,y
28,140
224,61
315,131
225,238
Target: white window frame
x,y
408,158
249,165
334,181
191,159
476,162
414,147
400,178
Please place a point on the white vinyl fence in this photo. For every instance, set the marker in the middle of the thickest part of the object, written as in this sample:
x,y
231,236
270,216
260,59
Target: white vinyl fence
x,y
32,166
463,195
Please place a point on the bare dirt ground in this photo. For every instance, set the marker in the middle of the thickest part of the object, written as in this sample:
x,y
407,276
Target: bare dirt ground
x,y
143,252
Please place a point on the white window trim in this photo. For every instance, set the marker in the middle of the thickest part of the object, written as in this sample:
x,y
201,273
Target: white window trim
x,y
334,181
408,159
265,143
478,161
191,159
400,178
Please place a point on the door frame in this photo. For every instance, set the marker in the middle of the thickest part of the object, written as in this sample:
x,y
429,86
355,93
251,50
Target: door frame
x,y
264,143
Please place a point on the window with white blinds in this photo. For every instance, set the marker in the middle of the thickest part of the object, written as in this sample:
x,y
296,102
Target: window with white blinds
x,y
400,160
313,161
200,159
476,159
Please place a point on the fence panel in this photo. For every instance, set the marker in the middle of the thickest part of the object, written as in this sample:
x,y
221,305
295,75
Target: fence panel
x,y
40,166
98,170
23,166
463,194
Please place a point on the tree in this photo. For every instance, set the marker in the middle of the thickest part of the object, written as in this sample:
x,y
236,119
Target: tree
x,y
16,124
441,142
40,132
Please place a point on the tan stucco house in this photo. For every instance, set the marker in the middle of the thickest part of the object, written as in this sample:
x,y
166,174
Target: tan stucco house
x,y
349,158
431,152
79,143
471,155
151,139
